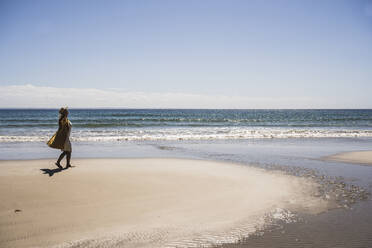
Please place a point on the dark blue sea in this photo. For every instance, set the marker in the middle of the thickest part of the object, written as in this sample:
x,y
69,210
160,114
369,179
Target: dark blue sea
x,y
113,125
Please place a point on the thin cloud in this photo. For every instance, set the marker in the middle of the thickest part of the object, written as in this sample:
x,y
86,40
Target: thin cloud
x,y
31,96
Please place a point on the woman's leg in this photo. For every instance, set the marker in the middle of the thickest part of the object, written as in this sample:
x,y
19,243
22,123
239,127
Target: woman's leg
x,y
60,158
68,158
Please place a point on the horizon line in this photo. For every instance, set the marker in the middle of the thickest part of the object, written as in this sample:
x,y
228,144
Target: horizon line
x,y
124,108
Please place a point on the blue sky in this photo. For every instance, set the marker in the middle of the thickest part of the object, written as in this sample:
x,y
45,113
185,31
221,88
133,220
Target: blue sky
x,y
291,53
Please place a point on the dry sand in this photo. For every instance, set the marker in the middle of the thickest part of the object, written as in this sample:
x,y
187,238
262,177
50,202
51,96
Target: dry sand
x,y
362,157
142,202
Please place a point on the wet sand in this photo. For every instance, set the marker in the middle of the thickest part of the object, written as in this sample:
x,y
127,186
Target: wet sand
x,y
361,157
337,228
143,202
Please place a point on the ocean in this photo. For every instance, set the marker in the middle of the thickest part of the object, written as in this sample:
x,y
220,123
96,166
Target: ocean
x,y
113,125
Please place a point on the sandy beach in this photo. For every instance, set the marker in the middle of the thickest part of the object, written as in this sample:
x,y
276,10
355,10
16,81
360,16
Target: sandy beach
x,y
142,202
361,157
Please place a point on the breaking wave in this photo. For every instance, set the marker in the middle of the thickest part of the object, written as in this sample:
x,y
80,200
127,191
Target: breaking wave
x,y
190,133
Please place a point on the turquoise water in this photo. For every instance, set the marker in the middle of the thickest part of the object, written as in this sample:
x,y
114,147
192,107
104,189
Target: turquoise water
x,y
90,125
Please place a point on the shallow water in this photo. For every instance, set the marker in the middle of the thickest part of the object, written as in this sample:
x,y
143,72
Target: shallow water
x,y
336,228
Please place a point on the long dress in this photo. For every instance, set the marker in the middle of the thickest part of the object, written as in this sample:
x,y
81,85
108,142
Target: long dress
x,y
61,139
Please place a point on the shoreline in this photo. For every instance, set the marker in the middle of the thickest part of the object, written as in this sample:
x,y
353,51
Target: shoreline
x,y
144,202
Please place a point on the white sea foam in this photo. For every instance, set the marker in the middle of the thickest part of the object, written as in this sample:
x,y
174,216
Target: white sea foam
x,y
202,133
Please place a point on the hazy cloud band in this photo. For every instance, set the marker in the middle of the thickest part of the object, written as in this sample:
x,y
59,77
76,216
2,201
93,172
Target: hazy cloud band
x,y
31,96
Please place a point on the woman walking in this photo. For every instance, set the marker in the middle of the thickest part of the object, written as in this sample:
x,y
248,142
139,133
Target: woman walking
x,y
61,139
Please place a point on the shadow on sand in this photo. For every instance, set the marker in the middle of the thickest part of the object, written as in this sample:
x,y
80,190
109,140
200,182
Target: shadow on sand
x,y
51,172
